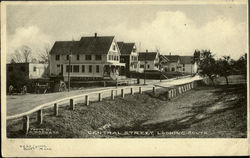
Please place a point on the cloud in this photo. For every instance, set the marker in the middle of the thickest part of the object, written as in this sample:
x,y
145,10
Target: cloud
x,y
30,36
173,31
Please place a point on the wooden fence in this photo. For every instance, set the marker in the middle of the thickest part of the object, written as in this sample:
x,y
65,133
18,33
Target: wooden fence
x,y
171,93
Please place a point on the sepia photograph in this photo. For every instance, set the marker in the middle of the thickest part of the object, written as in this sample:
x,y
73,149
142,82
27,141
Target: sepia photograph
x,y
121,71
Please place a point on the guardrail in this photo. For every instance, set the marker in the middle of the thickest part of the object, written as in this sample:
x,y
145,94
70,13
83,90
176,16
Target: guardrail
x,y
172,92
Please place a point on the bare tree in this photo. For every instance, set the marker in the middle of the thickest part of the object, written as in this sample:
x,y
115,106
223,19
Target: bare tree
x,y
44,55
26,51
22,54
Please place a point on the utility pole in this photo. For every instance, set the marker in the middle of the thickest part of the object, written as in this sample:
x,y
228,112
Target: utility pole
x,y
69,73
145,66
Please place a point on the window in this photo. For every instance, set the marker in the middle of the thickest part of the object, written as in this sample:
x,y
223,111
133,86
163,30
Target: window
x,y
113,47
67,57
76,68
109,57
134,50
83,68
172,69
183,69
87,57
77,57
97,69
148,66
22,68
141,66
58,65
112,57
10,68
98,57
34,68
122,59
90,68
57,57
67,68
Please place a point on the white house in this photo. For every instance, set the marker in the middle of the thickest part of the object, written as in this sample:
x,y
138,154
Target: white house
x,y
91,58
149,60
188,66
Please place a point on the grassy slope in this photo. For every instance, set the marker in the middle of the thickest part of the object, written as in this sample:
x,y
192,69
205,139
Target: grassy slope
x,y
193,111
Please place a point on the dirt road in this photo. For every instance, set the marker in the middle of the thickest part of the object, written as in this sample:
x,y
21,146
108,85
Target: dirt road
x,y
22,103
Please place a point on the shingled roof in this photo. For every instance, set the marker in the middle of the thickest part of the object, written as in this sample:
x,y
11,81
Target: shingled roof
x,y
87,45
148,55
186,59
125,48
63,47
172,58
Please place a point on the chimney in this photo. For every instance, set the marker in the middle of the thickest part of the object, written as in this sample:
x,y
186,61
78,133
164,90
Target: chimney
x,y
146,50
170,53
95,35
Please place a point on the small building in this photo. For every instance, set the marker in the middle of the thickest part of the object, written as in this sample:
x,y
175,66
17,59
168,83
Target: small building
x,y
91,58
129,56
173,64
188,66
30,70
149,60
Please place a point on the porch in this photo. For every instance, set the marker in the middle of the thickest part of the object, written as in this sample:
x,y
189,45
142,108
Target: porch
x,y
114,71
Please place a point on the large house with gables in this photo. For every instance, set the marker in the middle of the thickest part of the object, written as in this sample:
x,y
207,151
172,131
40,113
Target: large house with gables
x,y
129,56
91,58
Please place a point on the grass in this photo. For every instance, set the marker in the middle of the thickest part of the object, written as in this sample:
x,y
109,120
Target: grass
x,y
208,112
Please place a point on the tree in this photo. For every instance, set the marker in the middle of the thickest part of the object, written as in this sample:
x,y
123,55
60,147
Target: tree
x,y
44,55
22,54
224,67
207,64
197,56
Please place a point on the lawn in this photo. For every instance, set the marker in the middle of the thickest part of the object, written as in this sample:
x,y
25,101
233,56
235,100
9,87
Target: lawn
x,y
204,112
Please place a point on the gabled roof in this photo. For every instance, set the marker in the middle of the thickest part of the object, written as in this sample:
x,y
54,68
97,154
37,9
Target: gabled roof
x,y
63,47
163,58
87,45
125,48
148,56
172,58
186,59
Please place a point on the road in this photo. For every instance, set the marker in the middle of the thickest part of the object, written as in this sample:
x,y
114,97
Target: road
x,y
17,104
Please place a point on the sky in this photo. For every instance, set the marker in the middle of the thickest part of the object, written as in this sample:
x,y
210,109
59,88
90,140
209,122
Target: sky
x,y
179,29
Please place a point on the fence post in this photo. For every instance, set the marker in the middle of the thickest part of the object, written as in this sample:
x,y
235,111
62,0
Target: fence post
x,y
122,93
154,90
40,116
71,104
131,91
100,97
140,91
112,95
179,90
55,109
169,94
86,100
26,124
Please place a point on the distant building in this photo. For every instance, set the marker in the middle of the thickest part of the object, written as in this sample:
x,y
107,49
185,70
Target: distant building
x,y
188,66
129,56
151,59
91,58
30,70
173,64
